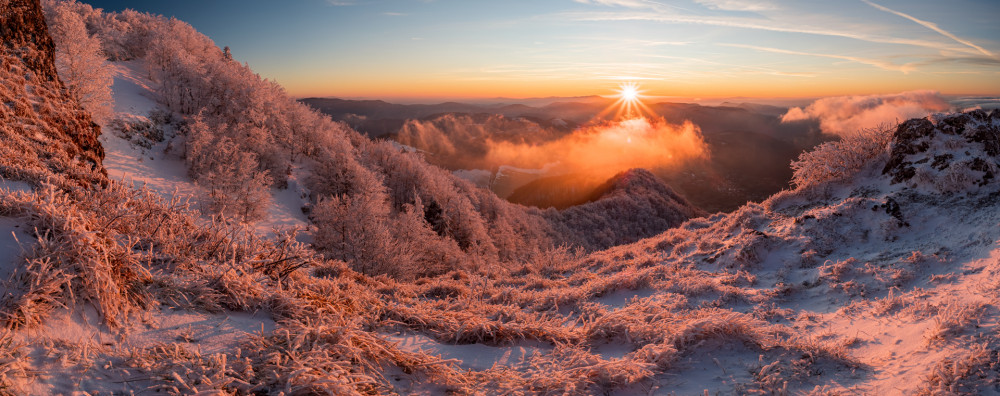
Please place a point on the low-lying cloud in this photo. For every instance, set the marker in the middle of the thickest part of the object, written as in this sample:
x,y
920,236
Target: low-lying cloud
x,y
844,115
610,147
600,149
463,141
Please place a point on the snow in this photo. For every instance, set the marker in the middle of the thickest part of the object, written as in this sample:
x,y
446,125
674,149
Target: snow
x,y
613,350
720,369
286,207
159,173
132,91
956,235
80,330
14,241
161,170
15,186
469,356
152,169
621,298
479,177
208,332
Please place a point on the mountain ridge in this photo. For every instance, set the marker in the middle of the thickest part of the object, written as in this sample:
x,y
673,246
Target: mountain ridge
x,y
878,271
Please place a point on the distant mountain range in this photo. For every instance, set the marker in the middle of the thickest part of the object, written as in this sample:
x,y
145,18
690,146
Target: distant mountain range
x,y
750,146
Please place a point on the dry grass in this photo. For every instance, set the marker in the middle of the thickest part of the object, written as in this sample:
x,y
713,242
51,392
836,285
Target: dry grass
x,y
953,319
14,363
977,370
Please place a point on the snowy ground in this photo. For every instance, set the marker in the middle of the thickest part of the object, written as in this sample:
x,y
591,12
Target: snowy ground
x,y
162,170
469,356
66,350
843,294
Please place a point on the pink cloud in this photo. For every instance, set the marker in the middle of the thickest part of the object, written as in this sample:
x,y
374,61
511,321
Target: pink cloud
x,y
844,115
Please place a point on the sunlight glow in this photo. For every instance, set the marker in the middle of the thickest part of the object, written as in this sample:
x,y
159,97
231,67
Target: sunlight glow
x,y
629,104
629,92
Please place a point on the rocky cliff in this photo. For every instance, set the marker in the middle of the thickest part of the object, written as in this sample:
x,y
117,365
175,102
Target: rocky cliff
x,y
43,131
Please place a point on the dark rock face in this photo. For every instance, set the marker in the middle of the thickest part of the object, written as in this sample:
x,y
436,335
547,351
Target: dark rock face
x,y
959,148
43,128
24,32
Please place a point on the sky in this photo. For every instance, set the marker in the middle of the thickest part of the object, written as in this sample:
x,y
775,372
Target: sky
x,y
699,49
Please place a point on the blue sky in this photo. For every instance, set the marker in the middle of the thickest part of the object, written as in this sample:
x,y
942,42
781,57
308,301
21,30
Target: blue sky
x,y
690,48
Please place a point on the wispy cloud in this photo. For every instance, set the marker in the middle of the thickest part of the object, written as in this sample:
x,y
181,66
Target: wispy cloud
x,y
629,78
754,24
738,5
637,4
795,74
967,60
340,3
582,70
724,68
932,26
623,3
393,13
904,68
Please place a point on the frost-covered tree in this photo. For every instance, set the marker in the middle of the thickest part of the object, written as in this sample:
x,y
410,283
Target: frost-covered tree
x,y
842,158
235,183
357,229
80,61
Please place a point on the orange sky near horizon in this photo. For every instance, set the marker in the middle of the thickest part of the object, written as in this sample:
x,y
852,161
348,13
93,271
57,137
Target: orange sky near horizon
x,y
722,87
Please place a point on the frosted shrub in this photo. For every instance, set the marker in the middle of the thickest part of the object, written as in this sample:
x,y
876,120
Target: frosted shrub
x,y
843,158
138,131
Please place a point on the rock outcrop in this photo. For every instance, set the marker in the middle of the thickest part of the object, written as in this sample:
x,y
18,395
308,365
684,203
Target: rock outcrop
x,y
952,152
43,130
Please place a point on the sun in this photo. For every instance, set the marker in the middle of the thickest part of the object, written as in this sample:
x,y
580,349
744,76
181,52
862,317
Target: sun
x,y
629,104
629,92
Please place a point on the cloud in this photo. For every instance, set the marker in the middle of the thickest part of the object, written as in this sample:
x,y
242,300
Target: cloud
x,y
340,3
844,115
932,26
759,24
621,3
600,150
738,5
607,148
904,68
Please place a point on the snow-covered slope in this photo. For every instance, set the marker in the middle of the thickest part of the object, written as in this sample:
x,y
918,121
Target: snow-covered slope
x,y
883,281
159,167
877,284
895,273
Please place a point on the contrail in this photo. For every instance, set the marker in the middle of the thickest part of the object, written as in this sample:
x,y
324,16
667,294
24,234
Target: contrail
x,y
933,26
